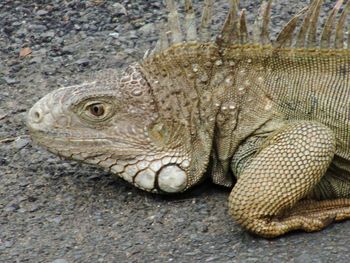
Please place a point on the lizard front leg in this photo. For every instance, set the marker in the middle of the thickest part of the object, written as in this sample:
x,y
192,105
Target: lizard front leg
x,y
266,197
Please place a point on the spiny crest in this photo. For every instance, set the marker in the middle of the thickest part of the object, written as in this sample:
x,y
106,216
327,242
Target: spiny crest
x,y
235,29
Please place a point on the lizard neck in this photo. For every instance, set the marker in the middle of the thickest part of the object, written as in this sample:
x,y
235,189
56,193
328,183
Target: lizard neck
x,y
213,93
180,80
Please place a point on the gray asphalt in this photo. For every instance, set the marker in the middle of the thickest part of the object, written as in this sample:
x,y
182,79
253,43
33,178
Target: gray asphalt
x,y
59,211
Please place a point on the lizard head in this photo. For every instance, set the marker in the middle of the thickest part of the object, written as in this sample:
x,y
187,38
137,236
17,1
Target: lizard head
x,y
114,123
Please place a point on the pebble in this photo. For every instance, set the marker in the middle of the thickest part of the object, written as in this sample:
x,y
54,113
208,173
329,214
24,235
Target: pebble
x,y
147,29
82,62
119,9
10,80
48,34
37,28
11,208
42,12
56,219
114,35
21,142
60,260
35,60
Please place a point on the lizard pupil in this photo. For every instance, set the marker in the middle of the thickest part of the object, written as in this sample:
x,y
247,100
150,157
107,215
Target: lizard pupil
x,y
97,110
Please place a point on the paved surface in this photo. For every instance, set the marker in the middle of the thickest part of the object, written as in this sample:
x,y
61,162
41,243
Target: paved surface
x,y
60,211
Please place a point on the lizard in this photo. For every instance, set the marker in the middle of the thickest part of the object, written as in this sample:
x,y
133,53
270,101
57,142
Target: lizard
x,y
267,118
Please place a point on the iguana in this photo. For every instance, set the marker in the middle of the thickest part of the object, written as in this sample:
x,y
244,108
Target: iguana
x,y
269,118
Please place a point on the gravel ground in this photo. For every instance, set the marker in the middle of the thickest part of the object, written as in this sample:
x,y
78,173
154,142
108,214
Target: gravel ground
x,y
59,211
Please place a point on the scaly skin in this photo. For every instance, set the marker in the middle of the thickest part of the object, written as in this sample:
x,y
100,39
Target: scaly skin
x,y
275,116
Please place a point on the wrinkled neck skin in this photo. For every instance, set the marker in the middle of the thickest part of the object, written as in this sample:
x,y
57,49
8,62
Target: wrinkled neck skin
x,y
219,95
180,79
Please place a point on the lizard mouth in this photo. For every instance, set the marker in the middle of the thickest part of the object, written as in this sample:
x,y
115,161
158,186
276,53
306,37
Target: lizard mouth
x,y
157,174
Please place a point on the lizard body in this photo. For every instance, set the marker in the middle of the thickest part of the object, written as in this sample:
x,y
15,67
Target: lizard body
x,y
273,114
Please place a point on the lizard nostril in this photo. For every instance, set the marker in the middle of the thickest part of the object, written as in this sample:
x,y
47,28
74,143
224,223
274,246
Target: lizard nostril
x,y
37,116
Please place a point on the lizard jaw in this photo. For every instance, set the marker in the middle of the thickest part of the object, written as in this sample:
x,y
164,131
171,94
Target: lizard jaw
x,y
162,174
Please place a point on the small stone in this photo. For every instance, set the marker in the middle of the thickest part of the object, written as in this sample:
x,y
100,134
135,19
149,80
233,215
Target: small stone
x,y
23,183
21,33
21,143
60,260
119,9
38,28
49,34
11,208
32,198
6,244
3,162
3,113
114,35
68,49
41,12
56,219
147,29
34,208
35,60
8,30
10,81
83,62
132,35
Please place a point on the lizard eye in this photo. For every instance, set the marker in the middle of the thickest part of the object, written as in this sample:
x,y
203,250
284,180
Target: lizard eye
x,y
97,109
